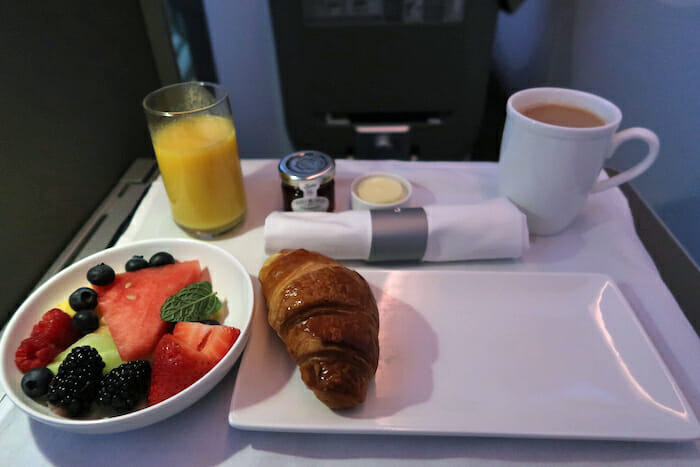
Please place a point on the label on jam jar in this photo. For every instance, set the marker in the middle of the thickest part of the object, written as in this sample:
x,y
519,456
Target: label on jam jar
x,y
310,201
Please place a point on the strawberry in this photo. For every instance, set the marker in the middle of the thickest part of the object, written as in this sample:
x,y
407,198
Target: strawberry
x,y
193,335
211,340
57,328
34,352
175,367
220,340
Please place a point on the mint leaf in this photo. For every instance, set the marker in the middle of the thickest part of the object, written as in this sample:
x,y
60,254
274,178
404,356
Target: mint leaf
x,y
194,302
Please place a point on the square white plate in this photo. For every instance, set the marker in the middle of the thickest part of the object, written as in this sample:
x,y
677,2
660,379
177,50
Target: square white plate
x,y
484,354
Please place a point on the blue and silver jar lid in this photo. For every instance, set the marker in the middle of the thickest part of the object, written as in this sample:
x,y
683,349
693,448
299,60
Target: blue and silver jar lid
x,y
304,166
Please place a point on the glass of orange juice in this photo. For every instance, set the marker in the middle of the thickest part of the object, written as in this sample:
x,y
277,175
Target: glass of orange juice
x,y
194,140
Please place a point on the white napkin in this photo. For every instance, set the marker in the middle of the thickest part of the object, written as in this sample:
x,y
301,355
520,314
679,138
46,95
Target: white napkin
x,y
488,230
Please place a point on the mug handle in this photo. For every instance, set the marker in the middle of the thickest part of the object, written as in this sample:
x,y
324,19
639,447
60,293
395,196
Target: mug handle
x,y
645,135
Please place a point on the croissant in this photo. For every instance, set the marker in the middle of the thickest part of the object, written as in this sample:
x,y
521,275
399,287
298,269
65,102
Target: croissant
x,y
327,318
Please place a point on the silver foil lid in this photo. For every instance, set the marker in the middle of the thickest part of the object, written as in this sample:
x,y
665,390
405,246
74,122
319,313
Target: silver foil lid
x,y
305,166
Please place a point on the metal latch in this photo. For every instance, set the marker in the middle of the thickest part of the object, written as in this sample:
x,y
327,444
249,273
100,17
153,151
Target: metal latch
x,y
383,141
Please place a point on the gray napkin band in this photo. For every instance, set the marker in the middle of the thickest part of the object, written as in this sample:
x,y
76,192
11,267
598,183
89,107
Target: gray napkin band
x,y
399,234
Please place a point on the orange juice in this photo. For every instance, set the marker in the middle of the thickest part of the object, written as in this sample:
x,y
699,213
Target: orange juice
x,y
198,159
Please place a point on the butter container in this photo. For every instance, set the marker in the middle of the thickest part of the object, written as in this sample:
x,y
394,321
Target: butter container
x,y
380,190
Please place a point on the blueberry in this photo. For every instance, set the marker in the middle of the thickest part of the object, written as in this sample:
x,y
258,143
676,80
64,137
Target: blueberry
x,y
86,321
211,322
100,275
136,263
83,299
161,259
35,382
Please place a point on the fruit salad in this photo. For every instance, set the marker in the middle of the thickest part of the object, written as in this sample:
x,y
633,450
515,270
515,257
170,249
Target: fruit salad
x,y
128,341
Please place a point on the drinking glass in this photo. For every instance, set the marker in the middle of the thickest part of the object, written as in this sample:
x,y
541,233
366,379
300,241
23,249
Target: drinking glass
x,y
194,140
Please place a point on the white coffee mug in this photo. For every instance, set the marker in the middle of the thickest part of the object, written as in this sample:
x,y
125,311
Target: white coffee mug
x,y
549,170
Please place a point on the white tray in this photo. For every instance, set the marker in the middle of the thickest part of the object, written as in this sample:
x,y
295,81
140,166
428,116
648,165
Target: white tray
x,y
484,354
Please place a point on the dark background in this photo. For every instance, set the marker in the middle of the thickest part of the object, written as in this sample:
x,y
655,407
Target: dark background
x,y
72,76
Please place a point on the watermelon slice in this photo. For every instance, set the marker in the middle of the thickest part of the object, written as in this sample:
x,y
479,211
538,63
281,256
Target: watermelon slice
x,y
131,305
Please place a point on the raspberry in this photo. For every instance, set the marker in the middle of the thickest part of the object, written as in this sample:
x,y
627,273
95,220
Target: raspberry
x,y
35,351
56,327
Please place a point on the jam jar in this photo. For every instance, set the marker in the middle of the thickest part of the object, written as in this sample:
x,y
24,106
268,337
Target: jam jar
x,y
307,181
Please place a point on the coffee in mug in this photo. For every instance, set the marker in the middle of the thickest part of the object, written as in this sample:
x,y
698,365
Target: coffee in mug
x,y
563,115
555,142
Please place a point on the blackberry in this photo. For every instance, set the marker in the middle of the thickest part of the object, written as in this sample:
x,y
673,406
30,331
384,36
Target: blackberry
x,y
76,384
123,387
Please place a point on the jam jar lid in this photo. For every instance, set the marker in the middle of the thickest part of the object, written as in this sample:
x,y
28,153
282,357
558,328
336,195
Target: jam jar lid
x,y
306,166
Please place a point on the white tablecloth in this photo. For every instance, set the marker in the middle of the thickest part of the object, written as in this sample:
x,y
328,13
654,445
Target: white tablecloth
x,y
602,239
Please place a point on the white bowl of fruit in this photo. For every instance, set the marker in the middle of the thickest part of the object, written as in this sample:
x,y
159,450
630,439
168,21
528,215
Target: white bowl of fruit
x,y
128,336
